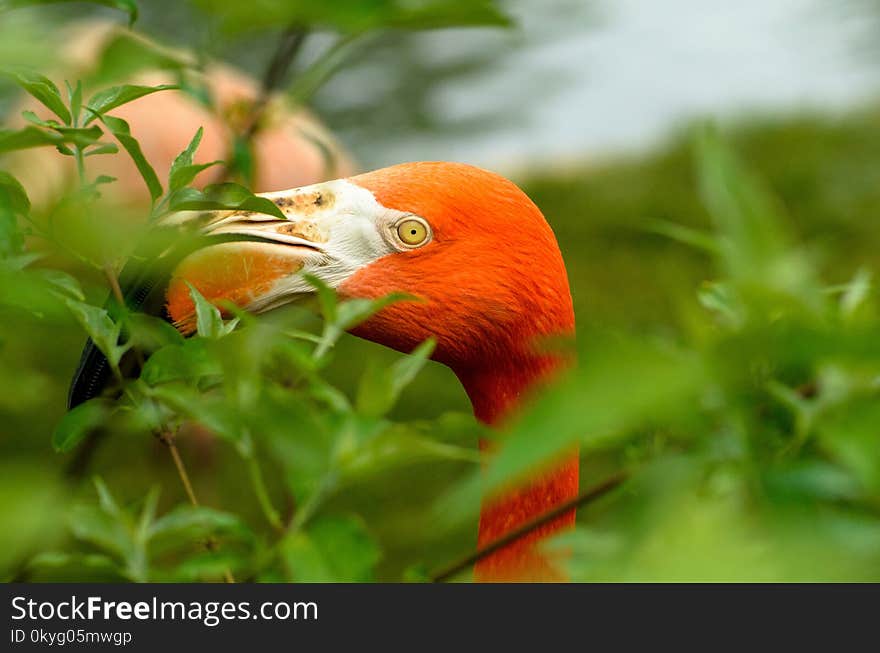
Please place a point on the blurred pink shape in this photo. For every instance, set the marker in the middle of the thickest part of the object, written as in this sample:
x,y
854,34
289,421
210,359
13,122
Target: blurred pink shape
x,y
291,147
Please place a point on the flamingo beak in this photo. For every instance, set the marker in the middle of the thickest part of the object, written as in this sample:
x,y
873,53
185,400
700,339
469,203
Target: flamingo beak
x,y
330,230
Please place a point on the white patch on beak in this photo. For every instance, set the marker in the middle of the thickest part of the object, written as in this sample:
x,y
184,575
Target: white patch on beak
x,y
331,231
349,228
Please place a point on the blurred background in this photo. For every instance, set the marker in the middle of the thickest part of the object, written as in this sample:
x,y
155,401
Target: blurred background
x,y
595,109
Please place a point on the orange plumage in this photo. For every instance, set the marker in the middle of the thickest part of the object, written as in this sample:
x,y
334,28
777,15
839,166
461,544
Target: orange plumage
x,y
493,284
232,272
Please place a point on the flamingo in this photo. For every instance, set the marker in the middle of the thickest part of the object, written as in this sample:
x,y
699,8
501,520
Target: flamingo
x,y
491,281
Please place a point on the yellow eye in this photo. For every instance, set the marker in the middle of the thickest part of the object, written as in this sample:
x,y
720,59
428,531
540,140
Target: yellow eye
x,y
412,232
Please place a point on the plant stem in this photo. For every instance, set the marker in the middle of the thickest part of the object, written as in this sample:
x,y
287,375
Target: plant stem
x,y
115,288
582,499
262,493
181,470
80,165
325,67
308,508
167,438
288,47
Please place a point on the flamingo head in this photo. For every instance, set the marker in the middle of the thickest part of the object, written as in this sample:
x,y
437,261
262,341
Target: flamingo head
x,y
478,258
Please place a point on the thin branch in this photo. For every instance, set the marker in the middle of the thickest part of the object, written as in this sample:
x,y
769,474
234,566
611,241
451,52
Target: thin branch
x,y
116,289
167,438
330,61
288,47
181,469
114,284
262,493
582,499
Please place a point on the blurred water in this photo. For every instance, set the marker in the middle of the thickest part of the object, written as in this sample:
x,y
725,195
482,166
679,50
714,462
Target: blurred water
x,y
648,66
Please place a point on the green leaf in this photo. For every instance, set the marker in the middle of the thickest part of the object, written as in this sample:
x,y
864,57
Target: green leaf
x,y
11,239
856,292
114,531
720,298
103,148
62,281
210,566
320,72
354,311
115,96
80,136
13,195
94,525
744,212
102,179
44,90
149,333
120,129
812,480
185,158
849,435
79,423
126,54
242,160
227,196
103,331
77,567
357,16
148,514
185,175
187,524
326,297
332,550
105,499
417,573
683,234
189,361
381,386
127,6
400,447
338,318
183,171
755,247
13,201
208,319
74,96
22,139
215,413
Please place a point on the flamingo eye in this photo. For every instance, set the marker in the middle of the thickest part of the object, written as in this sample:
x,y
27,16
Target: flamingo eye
x,y
413,232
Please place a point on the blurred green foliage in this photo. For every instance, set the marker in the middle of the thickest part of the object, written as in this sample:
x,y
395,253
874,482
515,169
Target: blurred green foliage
x,y
728,329
729,363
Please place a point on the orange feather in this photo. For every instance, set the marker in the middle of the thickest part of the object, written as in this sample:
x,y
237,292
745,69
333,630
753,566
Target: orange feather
x,y
492,284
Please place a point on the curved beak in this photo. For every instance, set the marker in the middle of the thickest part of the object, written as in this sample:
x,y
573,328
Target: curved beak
x,y
330,230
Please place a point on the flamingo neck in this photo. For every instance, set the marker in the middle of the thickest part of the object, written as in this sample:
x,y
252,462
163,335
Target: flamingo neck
x,y
495,392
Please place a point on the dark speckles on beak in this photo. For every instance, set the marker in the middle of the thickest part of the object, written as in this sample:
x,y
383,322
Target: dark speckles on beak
x,y
303,211
306,203
305,230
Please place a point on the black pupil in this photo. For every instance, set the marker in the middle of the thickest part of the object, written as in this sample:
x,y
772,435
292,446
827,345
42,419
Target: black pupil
x,y
413,232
